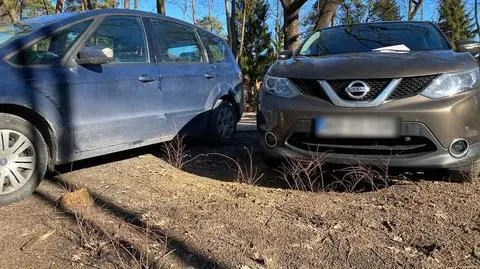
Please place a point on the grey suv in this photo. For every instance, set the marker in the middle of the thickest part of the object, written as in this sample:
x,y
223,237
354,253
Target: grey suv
x,y
391,93
79,85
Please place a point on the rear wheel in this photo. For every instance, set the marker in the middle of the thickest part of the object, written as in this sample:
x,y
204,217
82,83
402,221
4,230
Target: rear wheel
x,y
23,158
222,124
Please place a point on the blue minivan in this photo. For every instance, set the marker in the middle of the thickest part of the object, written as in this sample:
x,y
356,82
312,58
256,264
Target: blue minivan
x,y
79,85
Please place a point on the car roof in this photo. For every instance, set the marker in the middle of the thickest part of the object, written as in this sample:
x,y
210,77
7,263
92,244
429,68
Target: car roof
x,y
379,23
67,17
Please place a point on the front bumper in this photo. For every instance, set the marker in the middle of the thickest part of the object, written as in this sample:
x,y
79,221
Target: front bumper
x,y
431,124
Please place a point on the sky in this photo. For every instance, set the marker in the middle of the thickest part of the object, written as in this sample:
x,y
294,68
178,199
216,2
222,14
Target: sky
x,y
174,9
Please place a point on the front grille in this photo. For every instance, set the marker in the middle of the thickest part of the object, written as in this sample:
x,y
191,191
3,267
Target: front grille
x,y
391,147
411,86
408,87
376,87
310,87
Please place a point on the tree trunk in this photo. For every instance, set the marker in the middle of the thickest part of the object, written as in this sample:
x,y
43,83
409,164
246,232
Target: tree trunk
x,y
332,20
229,28
413,8
46,7
161,7
409,9
194,18
291,9
126,4
233,27
242,38
22,6
89,4
59,6
476,19
278,30
290,25
12,14
327,9
209,7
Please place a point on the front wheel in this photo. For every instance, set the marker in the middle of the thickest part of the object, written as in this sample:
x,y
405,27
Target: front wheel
x,y
223,124
23,158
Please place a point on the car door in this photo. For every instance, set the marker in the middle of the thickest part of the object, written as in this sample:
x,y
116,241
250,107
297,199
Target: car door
x,y
186,77
227,71
116,104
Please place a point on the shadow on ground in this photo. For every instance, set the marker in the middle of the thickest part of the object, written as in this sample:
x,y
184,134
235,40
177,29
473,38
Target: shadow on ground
x,y
186,255
215,162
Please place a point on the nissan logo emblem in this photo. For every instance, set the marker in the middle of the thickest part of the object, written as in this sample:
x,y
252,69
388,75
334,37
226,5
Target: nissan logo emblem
x,y
357,89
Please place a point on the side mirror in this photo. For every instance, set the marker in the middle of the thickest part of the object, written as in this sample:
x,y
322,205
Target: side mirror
x,y
94,55
284,55
468,46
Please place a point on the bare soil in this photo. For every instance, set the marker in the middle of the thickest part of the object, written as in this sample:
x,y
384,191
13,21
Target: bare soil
x,y
202,218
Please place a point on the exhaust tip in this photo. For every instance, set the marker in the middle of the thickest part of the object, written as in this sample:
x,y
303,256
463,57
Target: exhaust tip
x,y
270,140
459,147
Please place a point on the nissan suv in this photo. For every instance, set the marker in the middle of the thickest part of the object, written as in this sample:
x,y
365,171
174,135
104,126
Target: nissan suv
x,y
396,93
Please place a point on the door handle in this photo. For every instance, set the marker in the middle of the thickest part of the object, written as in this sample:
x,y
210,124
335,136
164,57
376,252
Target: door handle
x,y
144,78
209,75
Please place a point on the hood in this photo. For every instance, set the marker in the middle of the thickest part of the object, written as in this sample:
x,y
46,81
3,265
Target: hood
x,y
374,65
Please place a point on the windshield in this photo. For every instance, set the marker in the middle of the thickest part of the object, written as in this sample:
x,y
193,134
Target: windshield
x,y
374,37
12,31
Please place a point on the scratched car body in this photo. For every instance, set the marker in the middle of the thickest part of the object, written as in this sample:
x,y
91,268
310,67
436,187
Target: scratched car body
x,y
390,93
80,85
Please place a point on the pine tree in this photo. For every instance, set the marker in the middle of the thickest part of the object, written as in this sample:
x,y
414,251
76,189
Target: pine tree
x,y
385,10
212,24
454,20
257,50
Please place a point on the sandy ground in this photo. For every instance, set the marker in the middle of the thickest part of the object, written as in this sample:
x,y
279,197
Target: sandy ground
x,y
200,217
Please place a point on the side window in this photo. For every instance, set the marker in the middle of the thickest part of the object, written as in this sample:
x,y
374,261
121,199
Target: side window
x,y
124,35
217,49
51,49
176,43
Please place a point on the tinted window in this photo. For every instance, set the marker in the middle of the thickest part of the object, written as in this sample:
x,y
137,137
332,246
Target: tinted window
x,y
363,38
176,43
124,35
51,49
217,49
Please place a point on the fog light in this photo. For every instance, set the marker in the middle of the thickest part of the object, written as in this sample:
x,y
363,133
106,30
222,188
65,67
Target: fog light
x,y
459,148
270,140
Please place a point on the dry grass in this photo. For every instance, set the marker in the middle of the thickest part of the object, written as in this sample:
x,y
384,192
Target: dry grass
x,y
106,238
464,173
360,177
310,175
174,151
247,171
305,175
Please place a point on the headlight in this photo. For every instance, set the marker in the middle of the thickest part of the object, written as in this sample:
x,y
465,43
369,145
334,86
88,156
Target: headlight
x,y
279,86
451,84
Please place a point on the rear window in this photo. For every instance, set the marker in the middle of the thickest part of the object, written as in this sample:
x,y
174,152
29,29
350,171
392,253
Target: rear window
x,y
217,49
367,37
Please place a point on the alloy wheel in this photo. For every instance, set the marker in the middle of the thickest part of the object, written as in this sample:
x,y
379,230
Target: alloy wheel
x,y
225,122
17,160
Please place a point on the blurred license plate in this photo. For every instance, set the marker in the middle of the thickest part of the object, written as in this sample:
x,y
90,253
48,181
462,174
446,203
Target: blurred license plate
x,y
359,127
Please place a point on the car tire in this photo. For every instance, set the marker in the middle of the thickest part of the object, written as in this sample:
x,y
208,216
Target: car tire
x,y
222,124
23,158
470,175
